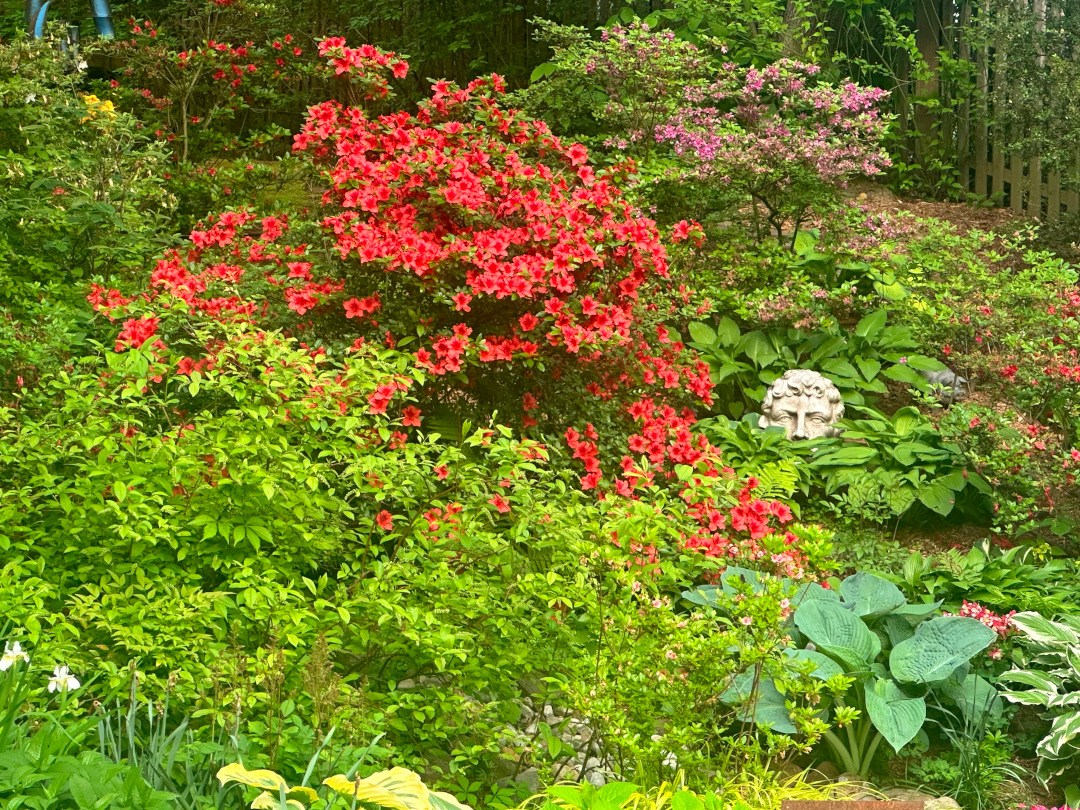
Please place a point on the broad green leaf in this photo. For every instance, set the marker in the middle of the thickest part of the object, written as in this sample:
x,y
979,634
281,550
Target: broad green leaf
x,y
868,366
685,800
939,646
727,332
825,667
871,325
920,362
839,368
757,347
839,632
852,455
897,716
702,333
616,794
937,497
901,373
870,595
975,696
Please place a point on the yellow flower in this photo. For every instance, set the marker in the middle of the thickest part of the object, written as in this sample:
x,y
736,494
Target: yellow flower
x,y
95,106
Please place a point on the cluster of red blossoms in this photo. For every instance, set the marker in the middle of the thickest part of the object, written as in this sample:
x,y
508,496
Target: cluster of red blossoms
x,y
748,532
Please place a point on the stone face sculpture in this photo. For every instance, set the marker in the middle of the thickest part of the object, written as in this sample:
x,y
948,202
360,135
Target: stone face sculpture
x,y
946,385
804,403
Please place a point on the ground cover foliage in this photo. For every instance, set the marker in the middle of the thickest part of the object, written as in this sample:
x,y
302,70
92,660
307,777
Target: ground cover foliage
x,y
374,441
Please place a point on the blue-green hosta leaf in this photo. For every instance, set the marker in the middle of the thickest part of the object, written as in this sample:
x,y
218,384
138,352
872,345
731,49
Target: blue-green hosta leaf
x,y
765,708
897,628
825,667
975,696
871,595
897,716
812,591
938,647
838,632
1042,631
917,610
704,595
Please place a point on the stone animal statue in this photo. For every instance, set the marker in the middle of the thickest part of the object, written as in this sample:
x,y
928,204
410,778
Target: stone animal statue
x,y
946,385
804,403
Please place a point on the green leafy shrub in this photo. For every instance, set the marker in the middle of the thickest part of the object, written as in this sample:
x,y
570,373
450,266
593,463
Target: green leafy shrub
x,y
1025,577
744,364
881,467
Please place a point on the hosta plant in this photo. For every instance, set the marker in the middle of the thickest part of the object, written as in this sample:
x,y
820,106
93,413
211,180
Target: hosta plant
x,y
882,467
743,364
396,788
880,659
1050,678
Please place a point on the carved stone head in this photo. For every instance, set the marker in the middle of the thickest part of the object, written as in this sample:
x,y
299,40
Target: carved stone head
x,y
804,403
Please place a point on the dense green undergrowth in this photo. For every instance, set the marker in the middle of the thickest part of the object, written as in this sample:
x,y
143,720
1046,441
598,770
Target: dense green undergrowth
x,y
419,464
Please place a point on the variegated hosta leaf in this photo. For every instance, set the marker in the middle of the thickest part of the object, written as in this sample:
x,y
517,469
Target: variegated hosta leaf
x,y
1029,677
1058,701
397,788
1031,697
267,780
270,801
1064,729
1040,630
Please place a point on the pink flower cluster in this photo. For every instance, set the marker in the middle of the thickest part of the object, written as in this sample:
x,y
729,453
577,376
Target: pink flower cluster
x,y
766,123
1000,624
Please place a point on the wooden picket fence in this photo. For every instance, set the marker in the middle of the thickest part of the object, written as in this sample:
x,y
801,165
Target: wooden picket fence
x,y
986,169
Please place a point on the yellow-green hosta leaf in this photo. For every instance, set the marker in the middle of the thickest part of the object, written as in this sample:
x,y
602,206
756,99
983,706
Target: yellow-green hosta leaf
x,y
444,801
397,788
267,780
306,792
270,801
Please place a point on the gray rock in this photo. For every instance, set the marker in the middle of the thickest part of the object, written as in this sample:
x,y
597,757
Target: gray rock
x,y
946,385
529,778
408,683
943,803
596,778
907,795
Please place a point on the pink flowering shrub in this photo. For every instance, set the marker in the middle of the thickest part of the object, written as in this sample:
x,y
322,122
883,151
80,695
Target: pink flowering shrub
x,y
784,139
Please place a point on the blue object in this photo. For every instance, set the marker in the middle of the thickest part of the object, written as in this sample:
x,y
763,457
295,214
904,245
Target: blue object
x,y
36,12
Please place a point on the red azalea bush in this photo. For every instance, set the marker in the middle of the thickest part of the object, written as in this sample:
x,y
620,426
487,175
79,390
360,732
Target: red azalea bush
x,y
520,279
